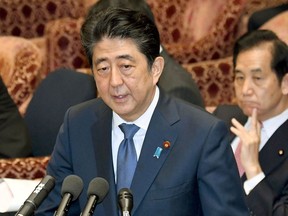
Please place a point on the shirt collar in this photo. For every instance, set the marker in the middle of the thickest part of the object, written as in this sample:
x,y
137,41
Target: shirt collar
x,y
272,124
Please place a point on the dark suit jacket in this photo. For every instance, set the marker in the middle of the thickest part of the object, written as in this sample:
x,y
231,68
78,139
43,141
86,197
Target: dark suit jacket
x,y
177,82
14,137
197,175
61,89
226,112
270,196
258,18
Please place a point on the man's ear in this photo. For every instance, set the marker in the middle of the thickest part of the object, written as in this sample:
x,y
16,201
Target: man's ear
x,y
284,84
157,68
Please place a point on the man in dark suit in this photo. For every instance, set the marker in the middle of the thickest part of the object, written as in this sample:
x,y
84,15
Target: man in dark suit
x,y
259,18
175,80
184,165
261,124
14,137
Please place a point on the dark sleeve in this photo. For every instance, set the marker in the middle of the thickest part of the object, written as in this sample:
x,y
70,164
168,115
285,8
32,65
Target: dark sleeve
x,y
218,175
177,82
270,196
14,137
59,166
258,18
226,112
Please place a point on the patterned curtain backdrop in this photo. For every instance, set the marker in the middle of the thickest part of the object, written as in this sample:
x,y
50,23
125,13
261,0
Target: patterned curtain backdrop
x,y
254,5
20,64
194,30
28,18
24,168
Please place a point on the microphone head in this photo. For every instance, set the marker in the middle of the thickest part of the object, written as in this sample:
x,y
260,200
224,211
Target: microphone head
x,y
42,190
125,199
98,187
49,182
72,184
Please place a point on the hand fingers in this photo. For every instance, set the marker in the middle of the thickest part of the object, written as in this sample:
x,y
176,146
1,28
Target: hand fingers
x,y
254,119
237,127
237,124
255,124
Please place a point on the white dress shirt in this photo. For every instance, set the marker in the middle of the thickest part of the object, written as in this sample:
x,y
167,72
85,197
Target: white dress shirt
x,y
268,129
142,122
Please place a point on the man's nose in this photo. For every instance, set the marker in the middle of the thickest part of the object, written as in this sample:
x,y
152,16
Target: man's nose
x,y
116,77
247,88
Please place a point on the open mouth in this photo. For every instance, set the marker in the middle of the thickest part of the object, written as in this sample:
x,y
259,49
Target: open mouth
x,y
120,98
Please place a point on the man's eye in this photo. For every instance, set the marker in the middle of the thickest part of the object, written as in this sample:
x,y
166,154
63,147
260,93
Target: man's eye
x,y
126,66
126,69
103,69
239,78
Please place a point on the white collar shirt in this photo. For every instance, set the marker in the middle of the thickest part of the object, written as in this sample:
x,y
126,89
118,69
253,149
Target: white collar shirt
x,y
268,129
142,122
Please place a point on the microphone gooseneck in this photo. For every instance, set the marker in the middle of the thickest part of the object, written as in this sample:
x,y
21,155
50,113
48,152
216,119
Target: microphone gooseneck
x,y
72,187
97,191
40,192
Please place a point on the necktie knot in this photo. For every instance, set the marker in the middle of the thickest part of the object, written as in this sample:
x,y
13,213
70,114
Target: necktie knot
x,y
129,130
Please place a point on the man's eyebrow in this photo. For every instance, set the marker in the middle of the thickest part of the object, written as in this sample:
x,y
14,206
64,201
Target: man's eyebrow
x,y
237,71
128,57
99,60
254,70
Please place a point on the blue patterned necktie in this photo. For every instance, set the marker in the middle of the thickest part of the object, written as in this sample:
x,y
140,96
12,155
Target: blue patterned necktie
x,y
127,157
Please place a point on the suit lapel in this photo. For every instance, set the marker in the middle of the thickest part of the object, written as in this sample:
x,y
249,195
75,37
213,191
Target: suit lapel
x,y
275,150
158,132
101,135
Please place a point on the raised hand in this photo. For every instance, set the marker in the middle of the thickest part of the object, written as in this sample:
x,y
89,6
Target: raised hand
x,y
250,139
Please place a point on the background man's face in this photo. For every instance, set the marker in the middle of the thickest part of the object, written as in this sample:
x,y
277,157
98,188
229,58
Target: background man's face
x,y
256,85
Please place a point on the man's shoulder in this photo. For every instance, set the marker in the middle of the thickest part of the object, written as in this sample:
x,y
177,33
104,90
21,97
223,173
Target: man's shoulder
x,y
96,105
228,111
189,112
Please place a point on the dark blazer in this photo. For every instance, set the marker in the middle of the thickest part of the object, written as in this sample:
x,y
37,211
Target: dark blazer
x,y
226,112
196,175
177,82
270,196
14,137
260,17
61,89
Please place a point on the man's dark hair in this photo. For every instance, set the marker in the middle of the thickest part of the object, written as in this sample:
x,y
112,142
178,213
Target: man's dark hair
x,y
279,49
138,5
124,24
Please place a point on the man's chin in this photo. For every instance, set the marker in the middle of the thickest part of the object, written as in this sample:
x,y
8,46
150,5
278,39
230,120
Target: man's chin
x,y
123,112
248,110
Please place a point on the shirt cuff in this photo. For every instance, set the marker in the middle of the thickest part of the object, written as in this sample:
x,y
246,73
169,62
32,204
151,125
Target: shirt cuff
x,y
251,183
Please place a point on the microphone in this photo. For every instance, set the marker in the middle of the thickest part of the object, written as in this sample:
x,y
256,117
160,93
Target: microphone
x,y
97,190
72,187
37,196
125,201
